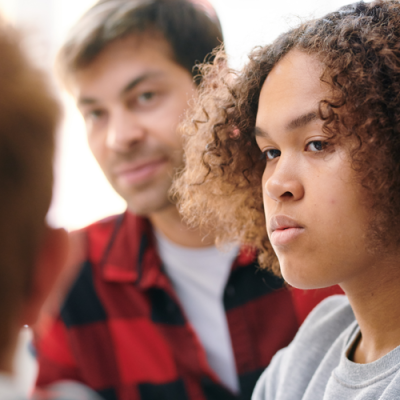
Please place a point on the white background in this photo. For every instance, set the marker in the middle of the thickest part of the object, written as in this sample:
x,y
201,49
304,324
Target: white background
x,y
81,193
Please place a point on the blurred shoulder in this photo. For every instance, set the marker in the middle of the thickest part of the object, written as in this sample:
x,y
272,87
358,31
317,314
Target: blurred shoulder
x,y
65,390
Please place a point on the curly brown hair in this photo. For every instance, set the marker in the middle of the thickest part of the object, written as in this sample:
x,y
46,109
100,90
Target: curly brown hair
x,y
359,48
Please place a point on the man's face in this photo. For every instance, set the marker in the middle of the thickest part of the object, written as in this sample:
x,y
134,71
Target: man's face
x,y
132,97
315,211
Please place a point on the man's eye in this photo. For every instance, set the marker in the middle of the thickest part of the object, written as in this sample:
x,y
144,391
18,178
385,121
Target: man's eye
x,y
316,145
95,114
270,154
145,97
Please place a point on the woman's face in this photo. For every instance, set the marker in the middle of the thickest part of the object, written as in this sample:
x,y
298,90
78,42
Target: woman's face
x,y
316,219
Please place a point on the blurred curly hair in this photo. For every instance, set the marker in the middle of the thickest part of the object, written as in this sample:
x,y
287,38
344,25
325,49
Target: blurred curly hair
x,y
29,115
359,48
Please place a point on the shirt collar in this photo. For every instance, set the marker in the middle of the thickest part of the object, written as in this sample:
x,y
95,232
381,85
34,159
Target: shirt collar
x,y
131,254
247,255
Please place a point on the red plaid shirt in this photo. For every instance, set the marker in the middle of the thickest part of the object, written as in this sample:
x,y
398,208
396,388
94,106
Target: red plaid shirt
x,y
122,331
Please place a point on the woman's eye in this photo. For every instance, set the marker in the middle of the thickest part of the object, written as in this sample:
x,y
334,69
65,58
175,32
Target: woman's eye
x,y
316,145
270,154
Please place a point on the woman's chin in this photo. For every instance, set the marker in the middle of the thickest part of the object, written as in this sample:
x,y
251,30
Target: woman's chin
x,y
305,280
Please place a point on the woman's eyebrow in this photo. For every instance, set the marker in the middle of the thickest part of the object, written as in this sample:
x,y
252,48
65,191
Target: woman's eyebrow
x,y
302,120
298,122
260,132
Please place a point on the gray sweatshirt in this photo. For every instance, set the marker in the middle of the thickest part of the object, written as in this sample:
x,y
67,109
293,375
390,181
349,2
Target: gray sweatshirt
x,y
315,366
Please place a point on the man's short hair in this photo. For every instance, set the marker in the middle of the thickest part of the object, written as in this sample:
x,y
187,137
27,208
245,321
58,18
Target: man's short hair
x,y
28,119
359,49
190,27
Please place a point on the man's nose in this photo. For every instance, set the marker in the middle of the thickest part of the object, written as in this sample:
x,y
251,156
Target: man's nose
x,y
124,131
284,183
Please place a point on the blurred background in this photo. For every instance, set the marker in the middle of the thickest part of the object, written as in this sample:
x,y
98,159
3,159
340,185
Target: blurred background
x,y
82,195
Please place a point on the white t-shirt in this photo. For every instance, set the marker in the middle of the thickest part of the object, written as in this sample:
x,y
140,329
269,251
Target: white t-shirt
x,y
199,277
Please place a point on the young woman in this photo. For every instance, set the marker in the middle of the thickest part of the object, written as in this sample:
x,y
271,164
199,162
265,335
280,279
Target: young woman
x,y
299,155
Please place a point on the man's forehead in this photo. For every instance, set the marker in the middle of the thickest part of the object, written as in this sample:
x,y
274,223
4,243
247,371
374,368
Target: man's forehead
x,y
133,51
134,46
123,65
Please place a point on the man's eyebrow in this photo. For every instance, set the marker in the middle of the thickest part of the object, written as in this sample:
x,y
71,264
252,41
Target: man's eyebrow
x,y
135,82
128,87
86,101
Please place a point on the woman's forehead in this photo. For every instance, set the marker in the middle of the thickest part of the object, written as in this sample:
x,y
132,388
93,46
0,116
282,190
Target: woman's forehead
x,y
292,89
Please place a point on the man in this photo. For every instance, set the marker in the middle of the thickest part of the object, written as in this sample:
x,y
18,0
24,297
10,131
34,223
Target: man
x,y
31,253
156,311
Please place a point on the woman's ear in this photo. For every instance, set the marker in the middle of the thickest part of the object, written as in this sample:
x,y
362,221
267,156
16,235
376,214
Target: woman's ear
x,y
51,258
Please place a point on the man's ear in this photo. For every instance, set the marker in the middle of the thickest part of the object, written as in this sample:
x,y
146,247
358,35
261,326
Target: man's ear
x,y
51,257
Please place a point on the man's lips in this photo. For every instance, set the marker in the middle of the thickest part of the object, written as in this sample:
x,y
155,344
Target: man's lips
x,y
139,171
283,230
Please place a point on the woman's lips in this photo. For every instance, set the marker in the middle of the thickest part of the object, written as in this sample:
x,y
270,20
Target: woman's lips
x,y
281,237
138,173
284,230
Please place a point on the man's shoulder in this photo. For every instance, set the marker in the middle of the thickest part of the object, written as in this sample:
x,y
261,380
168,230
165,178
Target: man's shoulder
x,y
88,246
96,236
88,243
105,223
115,241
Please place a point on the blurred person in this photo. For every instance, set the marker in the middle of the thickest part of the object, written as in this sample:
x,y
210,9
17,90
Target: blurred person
x,y
32,253
156,310
306,140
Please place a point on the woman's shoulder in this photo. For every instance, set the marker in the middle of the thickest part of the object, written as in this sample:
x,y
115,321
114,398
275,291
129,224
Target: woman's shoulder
x,y
320,336
333,312
326,322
